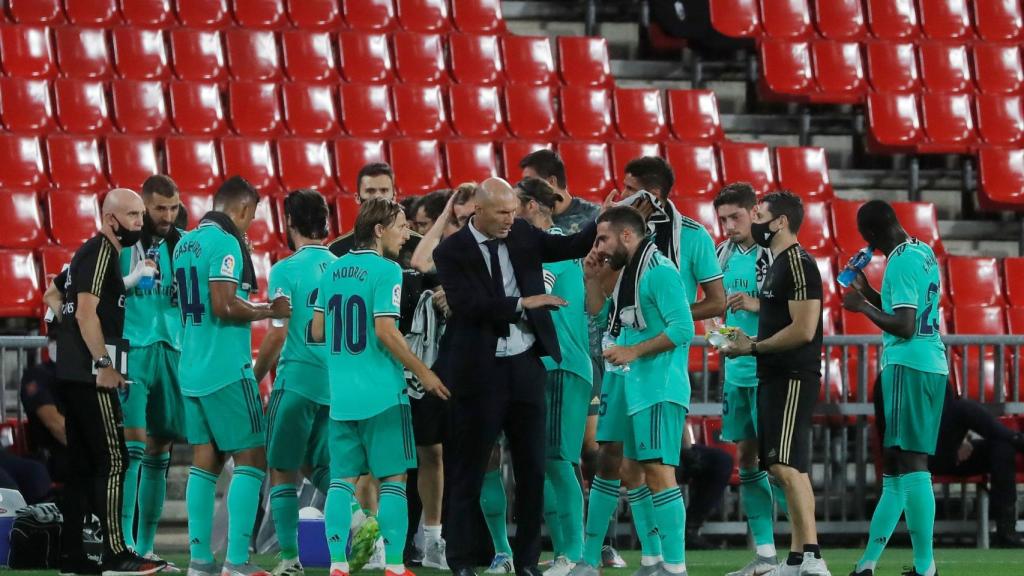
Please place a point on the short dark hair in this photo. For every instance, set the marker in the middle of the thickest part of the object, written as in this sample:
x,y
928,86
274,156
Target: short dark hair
x,y
375,169
233,190
736,194
410,204
433,204
619,217
787,204
308,211
160,185
877,216
546,164
653,172
372,212
537,190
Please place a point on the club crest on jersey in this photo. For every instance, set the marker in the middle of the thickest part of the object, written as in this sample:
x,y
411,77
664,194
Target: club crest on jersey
x,y
396,295
227,266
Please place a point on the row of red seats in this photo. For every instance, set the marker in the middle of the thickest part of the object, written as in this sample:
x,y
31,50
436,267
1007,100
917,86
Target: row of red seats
x,y
989,20
418,15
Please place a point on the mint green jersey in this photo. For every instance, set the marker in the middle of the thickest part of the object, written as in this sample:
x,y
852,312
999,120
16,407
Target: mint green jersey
x,y
697,261
565,279
743,271
149,316
911,280
297,278
365,378
214,352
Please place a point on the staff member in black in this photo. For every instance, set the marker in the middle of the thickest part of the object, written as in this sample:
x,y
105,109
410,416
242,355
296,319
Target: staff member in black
x,y
91,323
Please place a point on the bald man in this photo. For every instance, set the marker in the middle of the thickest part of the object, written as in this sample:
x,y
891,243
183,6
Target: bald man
x,y
91,370
490,358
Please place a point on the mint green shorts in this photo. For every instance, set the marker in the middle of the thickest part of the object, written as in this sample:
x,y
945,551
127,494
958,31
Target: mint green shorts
x,y
655,434
382,445
230,418
739,413
911,408
153,401
568,405
296,431
612,419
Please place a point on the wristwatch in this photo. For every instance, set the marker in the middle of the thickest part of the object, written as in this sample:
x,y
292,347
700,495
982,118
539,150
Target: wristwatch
x,y
102,362
753,349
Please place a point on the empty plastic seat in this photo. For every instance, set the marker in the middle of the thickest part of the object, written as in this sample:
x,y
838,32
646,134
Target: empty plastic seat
x,y
587,113
36,11
803,171
946,19
470,161
364,57
839,72
74,217
624,152
816,232
82,52
23,220
130,160
197,204
892,67
21,296
1015,319
893,121
513,152
261,266
583,61
306,164
945,67
478,16
975,281
252,55
204,14
370,15
25,105
139,107
196,108
252,159
310,110
840,19
308,56
588,172
198,55
736,18
140,54
693,115
21,163
893,19
263,230
830,295
1013,274
695,167
25,52
998,20
254,108
1001,174
531,111
54,258
920,221
844,227
997,68
267,14
1000,119
366,110
948,123
346,208
418,166
420,111
528,60
747,162
148,13
786,19
979,319
193,163
75,163
475,59
82,106
351,155
419,58
423,15
476,111
314,14
640,114
786,67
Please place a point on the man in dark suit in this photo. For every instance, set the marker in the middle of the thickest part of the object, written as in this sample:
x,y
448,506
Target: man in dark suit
x,y
490,358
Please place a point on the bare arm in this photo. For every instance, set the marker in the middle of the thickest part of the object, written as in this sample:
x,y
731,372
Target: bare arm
x,y
270,350
423,256
902,322
317,326
54,422
392,339
800,331
227,306
713,303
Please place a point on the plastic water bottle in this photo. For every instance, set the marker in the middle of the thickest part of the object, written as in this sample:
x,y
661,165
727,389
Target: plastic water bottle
x,y
148,279
856,264
607,341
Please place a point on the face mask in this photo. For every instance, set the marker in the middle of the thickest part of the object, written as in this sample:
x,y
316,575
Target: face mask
x,y
125,236
762,232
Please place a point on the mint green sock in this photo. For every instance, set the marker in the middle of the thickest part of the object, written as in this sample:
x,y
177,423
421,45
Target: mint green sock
x,y
284,509
604,499
320,478
394,520
569,496
493,503
551,517
642,507
756,496
243,500
338,518
919,507
883,522
152,491
779,496
136,450
670,521
200,495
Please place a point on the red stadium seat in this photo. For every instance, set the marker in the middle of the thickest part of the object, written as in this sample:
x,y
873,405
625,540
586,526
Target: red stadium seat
x,y
308,56
844,226
419,58
478,16
196,204
945,67
423,15
25,105
946,19
804,171
859,324
140,54
998,20
840,19
948,123
420,111
984,320
75,163
816,232
196,108
475,59
82,106
975,281
921,222
892,67
252,55
193,163
263,231
476,111
418,166
351,155
347,210
587,169
693,115
587,113
513,151
839,72
148,13
54,258
252,160
747,162
702,210
528,60
92,12
255,108
893,121
74,217
1001,174
21,163
21,296
788,19
364,57
261,263
531,111
130,160
306,164
266,14
997,68
695,167
310,109
25,52
892,19
369,15
366,110
204,14
623,152
23,220
36,11
736,18
198,55
830,295
470,161
82,53
139,107
640,114
1000,119
583,61
319,15
1013,274
786,67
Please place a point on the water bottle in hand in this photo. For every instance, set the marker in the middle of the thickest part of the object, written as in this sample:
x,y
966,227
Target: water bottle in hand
x,y
855,265
148,279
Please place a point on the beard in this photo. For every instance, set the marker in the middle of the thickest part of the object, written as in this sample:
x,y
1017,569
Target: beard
x,y
618,259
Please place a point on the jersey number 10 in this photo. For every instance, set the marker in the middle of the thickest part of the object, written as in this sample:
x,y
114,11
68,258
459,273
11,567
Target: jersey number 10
x,y
353,328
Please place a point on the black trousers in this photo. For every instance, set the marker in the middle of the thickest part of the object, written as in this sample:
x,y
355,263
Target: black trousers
x,y
25,475
513,403
707,471
98,457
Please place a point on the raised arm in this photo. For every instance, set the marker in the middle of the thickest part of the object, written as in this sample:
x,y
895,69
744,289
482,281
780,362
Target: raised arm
x,y
423,256
555,248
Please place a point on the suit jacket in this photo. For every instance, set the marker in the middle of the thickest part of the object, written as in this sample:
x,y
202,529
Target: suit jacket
x,y
466,356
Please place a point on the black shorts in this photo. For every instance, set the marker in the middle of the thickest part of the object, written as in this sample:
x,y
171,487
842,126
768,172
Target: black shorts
x,y
430,420
785,405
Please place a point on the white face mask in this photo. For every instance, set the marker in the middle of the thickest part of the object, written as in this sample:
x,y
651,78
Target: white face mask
x,y
51,350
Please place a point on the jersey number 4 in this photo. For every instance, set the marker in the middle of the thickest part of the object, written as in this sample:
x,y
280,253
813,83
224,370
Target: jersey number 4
x,y
188,300
348,319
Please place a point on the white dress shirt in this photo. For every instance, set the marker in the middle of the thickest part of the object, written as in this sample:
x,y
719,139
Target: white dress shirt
x,y
520,338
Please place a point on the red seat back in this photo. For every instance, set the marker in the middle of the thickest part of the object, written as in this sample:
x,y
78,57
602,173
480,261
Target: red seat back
x,y
140,54
198,55
308,56
21,296
310,110
475,59
364,57
803,171
640,114
140,107
23,220
74,162
695,167
528,60
25,105
587,169
196,108
584,61
840,19
975,281
418,166
470,161
420,111
419,58
694,115
253,160
747,162
74,217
